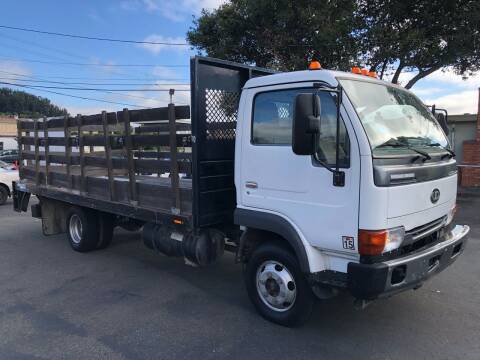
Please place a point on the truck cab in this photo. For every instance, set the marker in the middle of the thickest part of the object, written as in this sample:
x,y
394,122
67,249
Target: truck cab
x,y
355,174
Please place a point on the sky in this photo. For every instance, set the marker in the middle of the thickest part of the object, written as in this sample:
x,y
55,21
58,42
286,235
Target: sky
x,y
23,55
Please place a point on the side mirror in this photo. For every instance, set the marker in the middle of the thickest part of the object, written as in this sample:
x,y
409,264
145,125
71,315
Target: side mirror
x,y
442,120
306,123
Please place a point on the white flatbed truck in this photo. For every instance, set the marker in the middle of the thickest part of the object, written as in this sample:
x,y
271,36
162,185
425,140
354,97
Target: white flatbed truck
x,y
318,180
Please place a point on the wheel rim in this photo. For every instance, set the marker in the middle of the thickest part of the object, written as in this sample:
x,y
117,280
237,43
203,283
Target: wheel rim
x,y
75,228
276,286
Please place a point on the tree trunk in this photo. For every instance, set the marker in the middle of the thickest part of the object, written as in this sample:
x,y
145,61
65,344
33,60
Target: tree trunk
x,y
384,66
421,74
397,73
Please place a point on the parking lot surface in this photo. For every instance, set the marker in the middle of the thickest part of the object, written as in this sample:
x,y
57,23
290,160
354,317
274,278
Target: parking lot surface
x,y
127,302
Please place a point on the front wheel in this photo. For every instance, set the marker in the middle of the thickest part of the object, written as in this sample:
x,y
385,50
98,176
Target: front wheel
x,y
277,287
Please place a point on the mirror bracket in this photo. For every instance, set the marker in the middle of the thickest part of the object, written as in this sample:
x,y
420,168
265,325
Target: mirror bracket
x,y
338,178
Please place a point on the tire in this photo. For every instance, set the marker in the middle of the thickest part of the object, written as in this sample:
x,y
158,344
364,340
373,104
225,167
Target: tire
x,y
105,229
3,195
268,276
82,229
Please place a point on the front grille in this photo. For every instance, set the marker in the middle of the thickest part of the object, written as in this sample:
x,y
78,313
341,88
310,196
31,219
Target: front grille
x,y
424,230
422,236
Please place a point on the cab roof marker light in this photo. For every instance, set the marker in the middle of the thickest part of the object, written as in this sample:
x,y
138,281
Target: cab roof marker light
x,y
315,65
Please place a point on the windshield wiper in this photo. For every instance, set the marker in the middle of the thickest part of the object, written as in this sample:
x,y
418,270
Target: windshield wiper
x,y
450,152
395,143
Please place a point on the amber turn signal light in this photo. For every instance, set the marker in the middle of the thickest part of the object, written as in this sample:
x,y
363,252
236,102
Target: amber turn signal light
x,y
372,242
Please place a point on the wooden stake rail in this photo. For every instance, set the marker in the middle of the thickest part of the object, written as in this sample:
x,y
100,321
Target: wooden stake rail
x,y
106,156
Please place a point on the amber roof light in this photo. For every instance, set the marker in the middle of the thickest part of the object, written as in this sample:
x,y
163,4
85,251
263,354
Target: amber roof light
x,y
314,65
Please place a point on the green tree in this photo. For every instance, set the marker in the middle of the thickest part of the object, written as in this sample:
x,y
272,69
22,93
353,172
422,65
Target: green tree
x,y
27,105
280,34
420,36
389,36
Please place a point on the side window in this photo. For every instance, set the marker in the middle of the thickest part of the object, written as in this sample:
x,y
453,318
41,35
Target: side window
x,y
272,118
272,123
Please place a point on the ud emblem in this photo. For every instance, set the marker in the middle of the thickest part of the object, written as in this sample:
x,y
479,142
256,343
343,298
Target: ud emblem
x,y
435,196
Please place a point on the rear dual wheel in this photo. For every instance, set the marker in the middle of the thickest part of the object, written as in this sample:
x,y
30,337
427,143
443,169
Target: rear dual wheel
x,y
88,229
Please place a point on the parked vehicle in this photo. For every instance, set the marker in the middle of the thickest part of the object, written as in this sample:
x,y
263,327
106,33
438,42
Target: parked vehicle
x,y
317,180
9,156
8,174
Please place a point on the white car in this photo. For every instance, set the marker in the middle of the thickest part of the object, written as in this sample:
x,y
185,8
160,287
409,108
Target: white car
x,y
8,173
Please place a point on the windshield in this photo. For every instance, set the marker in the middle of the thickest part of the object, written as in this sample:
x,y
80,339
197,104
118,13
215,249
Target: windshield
x,y
393,118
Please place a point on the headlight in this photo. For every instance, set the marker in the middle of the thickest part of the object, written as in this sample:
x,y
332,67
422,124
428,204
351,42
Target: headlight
x,y
375,242
395,238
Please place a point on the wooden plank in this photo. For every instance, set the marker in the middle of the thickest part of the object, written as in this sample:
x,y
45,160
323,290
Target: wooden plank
x,y
159,155
28,140
46,147
52,141
161,140
141,165
160,166
60,123
108,156
91,120
37,153
68,151
143,115
158,114
174,179
129,148
83,180
162,128
29,125
95,140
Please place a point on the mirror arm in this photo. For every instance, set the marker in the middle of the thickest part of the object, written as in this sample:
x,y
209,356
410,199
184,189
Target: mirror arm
x,y
338,176
337,145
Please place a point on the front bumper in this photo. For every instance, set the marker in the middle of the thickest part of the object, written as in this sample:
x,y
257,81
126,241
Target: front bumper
x,y
371,281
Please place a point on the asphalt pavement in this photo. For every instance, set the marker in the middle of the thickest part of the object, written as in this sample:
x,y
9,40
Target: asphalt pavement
x,y
127,302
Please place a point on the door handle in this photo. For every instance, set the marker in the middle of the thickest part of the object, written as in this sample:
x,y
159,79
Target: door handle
x,y
251,185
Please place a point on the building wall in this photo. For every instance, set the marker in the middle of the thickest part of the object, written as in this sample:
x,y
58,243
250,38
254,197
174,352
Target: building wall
x,y
460,132
8,126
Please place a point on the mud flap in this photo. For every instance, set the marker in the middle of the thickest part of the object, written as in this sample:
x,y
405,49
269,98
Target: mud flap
x,y
20,198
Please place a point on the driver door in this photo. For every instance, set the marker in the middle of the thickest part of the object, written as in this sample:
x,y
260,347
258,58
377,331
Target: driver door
x,y
299,188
